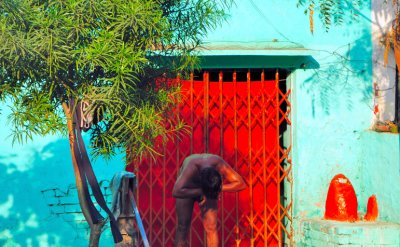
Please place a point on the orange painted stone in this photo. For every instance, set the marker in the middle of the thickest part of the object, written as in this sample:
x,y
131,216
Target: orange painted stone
x,y
372,209
341,201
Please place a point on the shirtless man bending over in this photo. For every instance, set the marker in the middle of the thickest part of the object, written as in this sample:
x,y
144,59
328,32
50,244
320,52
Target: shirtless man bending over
x,y
201,178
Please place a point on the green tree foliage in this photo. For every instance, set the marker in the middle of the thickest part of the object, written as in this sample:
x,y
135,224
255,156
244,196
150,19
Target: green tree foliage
x,y
107,52
331,12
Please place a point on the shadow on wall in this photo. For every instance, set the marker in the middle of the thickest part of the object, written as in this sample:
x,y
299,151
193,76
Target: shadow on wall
x,y
344,73
25,217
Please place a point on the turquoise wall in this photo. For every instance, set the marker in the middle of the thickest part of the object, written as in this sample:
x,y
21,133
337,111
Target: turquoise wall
x,y
37,174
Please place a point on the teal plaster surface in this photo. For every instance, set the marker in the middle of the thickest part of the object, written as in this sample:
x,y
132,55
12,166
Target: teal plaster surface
x,y
333,233
380,163
37,174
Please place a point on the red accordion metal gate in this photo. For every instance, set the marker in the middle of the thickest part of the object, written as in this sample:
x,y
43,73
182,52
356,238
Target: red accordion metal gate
x,y
240,121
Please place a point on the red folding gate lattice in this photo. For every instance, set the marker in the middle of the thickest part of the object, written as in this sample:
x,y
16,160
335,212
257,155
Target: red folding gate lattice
x,y
240,122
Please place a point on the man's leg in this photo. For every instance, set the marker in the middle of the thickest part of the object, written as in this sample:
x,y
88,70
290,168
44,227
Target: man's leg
x,y
209,217
184,210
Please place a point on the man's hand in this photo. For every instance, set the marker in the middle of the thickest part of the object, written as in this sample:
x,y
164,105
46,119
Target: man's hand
x,y
202,200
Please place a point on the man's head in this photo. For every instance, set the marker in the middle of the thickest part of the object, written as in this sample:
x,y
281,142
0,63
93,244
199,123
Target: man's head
x,y
211,182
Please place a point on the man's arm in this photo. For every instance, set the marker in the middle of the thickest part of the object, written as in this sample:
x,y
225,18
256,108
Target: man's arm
x,y
184,186
233,182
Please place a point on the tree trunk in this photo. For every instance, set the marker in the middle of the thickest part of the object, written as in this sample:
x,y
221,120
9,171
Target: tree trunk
x,y
95,229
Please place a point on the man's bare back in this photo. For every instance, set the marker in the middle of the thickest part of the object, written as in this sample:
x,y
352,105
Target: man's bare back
x,y
190,187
